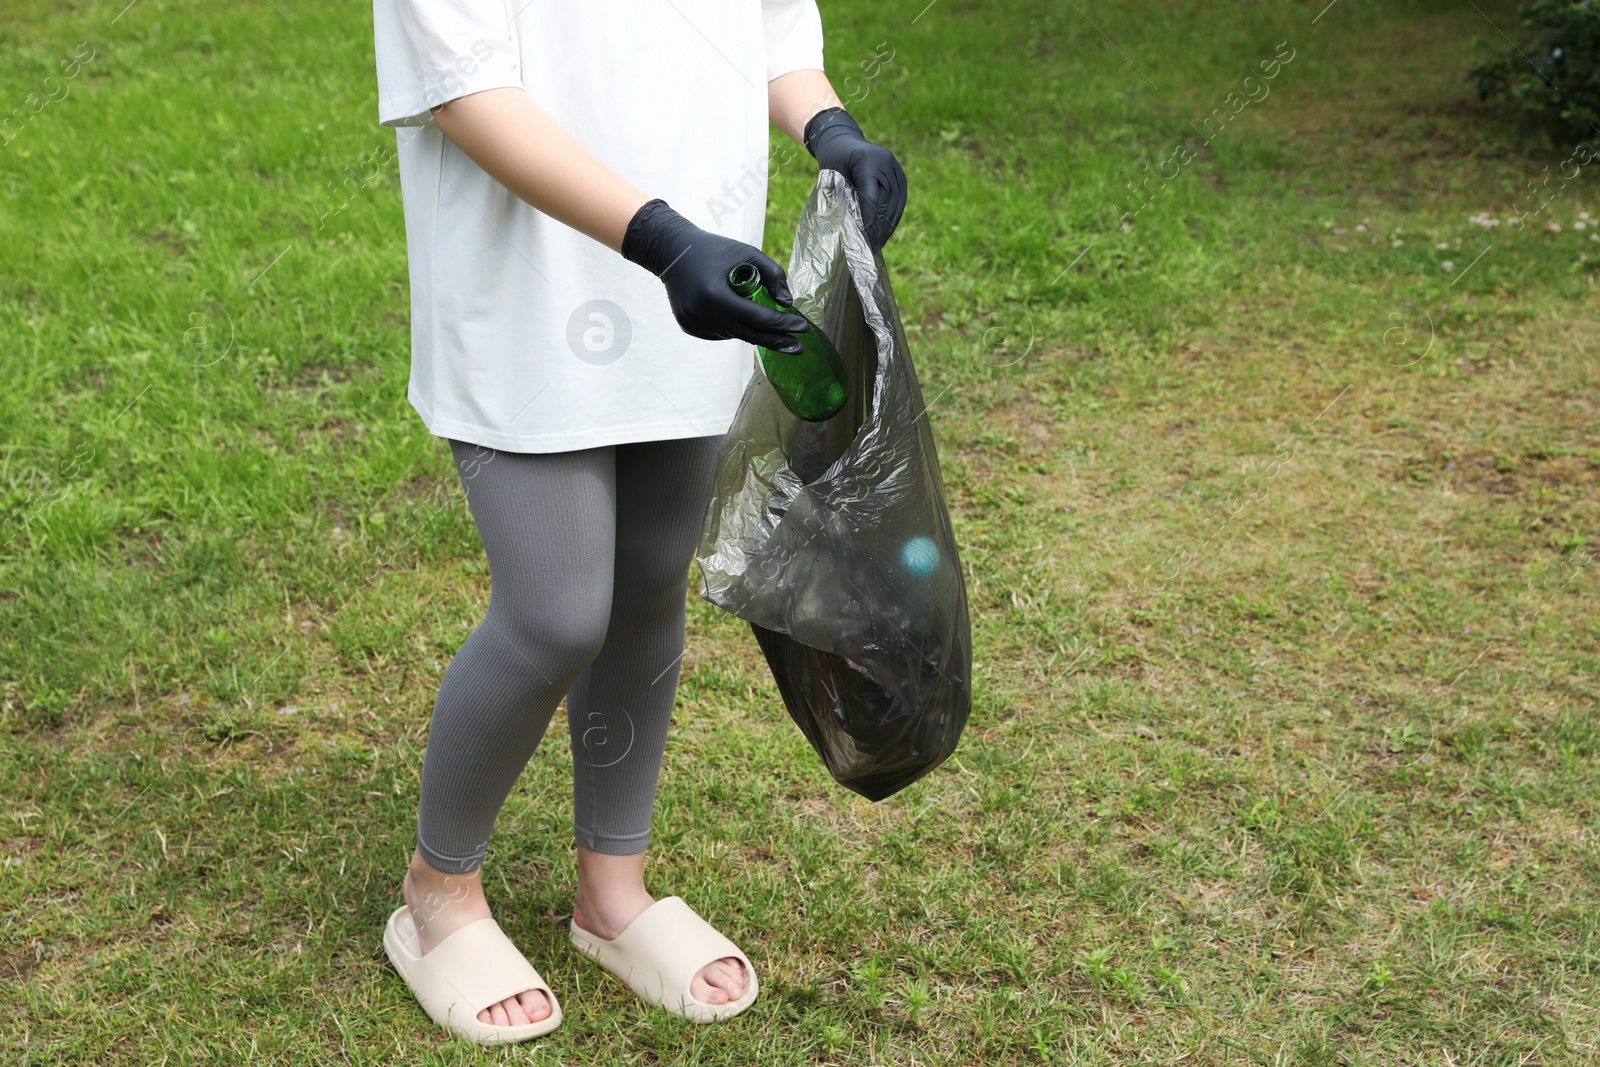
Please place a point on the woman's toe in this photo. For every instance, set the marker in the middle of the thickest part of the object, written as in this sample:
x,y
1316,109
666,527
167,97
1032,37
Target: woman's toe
x,y
529,1006
728,976
702,989
535,1005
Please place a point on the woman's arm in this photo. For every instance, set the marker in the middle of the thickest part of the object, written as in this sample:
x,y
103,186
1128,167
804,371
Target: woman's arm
x,y
793,98
520,146
517,143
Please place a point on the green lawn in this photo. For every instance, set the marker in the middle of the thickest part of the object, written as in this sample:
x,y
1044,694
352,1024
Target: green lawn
x,y
1278,505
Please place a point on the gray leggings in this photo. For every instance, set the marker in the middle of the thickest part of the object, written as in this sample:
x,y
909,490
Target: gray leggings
x,y
588,568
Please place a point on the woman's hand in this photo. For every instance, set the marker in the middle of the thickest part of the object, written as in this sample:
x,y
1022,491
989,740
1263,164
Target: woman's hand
x,y
694,265
833,137
803,105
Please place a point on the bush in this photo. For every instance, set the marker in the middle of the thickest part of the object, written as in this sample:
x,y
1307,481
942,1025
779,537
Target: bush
x,y
1554,71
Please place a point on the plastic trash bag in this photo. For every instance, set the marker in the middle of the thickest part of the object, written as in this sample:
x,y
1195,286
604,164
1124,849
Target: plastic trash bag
x,y
832,539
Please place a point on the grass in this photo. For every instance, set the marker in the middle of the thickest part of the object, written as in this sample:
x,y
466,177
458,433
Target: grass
x,y
1280,541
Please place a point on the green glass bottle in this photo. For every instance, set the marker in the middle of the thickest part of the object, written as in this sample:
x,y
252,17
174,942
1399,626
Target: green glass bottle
x,y
812,384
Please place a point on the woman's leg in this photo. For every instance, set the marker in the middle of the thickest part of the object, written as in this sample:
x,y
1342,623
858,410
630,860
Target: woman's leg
x,y
547,523
619,710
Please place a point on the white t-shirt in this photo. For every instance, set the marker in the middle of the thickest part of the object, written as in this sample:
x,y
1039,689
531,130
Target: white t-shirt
x,y
527,335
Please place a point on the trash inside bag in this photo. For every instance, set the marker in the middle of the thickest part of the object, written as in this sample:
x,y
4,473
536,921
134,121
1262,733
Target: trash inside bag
x,y
832,540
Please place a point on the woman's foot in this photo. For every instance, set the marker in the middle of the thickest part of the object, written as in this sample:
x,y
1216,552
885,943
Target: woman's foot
x,y
611,895
442,903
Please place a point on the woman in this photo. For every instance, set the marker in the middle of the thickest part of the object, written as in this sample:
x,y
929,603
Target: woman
x,y
578,179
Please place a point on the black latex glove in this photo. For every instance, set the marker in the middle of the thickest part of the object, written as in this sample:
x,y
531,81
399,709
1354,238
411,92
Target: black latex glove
x,y
694,265
833,137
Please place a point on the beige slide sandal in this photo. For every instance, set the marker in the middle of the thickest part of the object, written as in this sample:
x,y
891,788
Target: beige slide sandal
x,y
474,967
661,951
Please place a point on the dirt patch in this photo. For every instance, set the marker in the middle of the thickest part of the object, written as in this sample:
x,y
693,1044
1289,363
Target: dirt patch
x,y
322,373
1497,473
16,964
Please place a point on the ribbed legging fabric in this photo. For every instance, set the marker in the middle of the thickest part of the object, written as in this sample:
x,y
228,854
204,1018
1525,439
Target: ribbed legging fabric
x,y
588,569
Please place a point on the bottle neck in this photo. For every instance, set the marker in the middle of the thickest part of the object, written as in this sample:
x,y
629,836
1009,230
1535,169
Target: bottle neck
x,y
745,279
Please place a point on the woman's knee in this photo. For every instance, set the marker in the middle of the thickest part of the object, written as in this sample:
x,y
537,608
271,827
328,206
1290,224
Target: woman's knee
x,y
559,636
653,594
